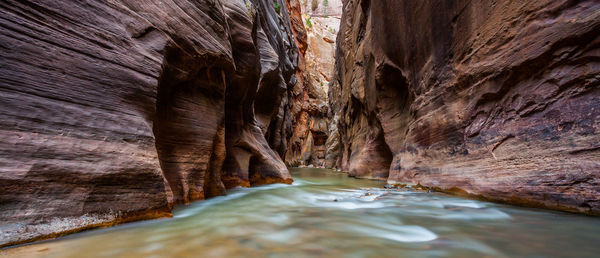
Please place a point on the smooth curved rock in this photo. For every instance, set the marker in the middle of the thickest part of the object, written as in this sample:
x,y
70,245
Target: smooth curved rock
x,y
496,99
115,111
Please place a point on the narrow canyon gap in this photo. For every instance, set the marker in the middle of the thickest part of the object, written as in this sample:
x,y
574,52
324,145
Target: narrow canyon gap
x,y
114,111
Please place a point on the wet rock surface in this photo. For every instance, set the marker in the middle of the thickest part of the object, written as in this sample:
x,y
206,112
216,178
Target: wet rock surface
x,y
497,99
115,111
348,217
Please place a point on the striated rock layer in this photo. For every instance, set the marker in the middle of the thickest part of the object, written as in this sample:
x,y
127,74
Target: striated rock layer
x,y
496,99
117,110
322,8
307,145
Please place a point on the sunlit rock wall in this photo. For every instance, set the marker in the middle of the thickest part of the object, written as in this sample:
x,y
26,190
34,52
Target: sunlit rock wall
x,y
307,146
322,8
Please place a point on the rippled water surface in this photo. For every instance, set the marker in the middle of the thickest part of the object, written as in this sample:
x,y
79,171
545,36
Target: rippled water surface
x,y
328,214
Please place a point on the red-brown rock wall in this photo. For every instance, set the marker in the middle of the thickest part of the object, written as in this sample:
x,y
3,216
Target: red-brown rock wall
x,y
497,99
115,111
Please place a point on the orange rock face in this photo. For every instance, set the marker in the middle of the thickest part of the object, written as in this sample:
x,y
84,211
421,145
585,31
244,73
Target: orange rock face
x,y
115,111
499,99
307,146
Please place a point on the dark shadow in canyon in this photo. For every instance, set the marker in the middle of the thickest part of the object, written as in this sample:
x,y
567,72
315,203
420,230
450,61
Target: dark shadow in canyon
x,y
188,120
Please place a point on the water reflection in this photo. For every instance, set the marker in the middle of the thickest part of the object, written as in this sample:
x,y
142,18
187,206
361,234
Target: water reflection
x,y
328,214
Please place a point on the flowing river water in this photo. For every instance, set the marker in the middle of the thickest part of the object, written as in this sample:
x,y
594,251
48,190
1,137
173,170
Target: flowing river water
x,y
328,214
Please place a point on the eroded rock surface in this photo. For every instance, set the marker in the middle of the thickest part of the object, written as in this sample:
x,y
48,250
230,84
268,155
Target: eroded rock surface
x,y
498,99
117,110
322,8
308,144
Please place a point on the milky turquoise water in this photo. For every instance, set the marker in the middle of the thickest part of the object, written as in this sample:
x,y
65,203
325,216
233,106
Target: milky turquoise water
x,y
327,214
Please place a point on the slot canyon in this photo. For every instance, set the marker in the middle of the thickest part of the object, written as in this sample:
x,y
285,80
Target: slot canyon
x,y
348,120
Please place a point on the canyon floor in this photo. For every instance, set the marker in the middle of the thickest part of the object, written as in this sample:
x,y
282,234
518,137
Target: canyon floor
x,y
326,213
194,116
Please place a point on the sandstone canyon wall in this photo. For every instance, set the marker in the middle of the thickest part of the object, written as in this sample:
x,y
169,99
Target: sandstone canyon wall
x,y
322,8
117,110
496,99
307,146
